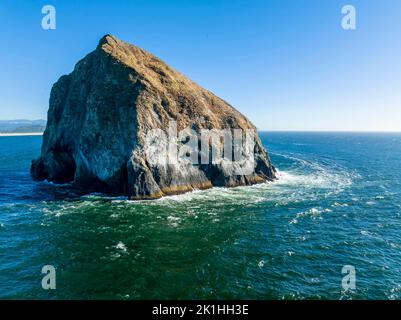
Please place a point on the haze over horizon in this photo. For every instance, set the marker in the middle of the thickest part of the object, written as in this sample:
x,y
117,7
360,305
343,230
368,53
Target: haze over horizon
x,y
286,66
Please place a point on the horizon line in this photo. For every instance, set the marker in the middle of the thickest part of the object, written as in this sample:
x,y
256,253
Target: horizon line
x,y
272,130
330,131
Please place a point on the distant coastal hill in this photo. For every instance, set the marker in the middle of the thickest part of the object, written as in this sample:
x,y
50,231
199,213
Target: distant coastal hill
x,y
22,126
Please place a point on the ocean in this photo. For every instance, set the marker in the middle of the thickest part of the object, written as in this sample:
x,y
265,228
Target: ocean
x,y
337,203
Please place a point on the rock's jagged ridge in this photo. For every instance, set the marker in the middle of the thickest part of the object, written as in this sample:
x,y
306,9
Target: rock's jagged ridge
x,y
100,113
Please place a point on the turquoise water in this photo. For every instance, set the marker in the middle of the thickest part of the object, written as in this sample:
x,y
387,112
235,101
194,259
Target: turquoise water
x,y
337,202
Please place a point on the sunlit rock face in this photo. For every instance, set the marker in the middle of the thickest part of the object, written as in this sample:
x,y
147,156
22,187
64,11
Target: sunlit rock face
x,y
101,116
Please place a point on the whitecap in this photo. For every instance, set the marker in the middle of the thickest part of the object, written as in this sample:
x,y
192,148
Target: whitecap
x,y
319,175
191,213
314,280
314,213
121,246
337,204
174,221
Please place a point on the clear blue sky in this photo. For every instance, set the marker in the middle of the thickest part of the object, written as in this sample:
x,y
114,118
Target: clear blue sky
x,y
286,64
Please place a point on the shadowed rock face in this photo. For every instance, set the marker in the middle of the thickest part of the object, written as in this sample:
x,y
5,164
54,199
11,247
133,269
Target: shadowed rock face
x,y
100,114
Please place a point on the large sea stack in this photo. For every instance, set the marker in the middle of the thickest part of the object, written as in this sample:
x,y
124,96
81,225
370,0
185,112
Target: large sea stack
x,y
100,114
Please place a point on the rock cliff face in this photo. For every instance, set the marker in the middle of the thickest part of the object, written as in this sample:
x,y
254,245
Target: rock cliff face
x,y
101,114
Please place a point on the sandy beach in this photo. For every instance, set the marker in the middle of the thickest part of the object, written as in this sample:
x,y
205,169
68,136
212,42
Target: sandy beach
x,y
16,134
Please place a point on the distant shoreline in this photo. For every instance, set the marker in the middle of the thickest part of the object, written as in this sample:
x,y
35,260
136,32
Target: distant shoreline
x,y
16,134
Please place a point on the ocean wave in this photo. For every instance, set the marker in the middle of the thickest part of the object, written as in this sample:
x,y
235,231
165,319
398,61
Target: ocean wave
x,y
288,180
303,180
121,246
173,220
314,213
315,174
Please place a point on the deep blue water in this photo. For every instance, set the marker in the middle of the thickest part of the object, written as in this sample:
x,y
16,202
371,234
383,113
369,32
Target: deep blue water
x,y
337,202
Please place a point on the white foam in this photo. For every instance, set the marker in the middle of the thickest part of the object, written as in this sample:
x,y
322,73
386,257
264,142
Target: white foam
x,y
174,221
337,204
121,246
317,175
313,213
304,180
